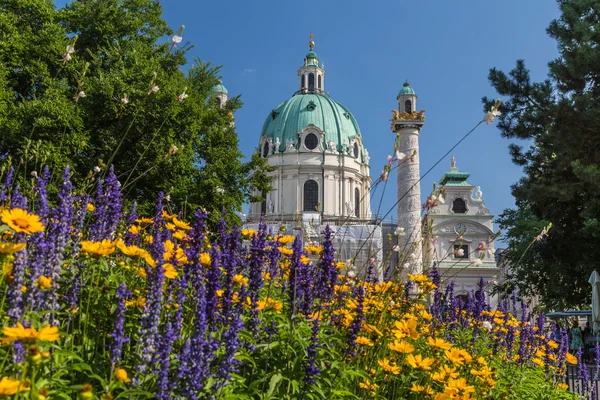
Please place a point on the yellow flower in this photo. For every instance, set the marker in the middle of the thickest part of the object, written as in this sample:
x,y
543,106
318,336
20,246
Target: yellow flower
x,y
368,385
44,282
571,359
48,333
98,249
419,362
179,235
439,343
205,259
450,371
166,215
286,251
21,221
417,388
86,392
247,233
181,224
313,249
304,260
286,239
240,279
132,251
483,372
170,226
144,221
10,386
364,341
439,376
455,386
419,278
134,229
458,356
386,366
371,329
121,375
407,328
340,265
170,271
401,347
269,304
11,248
563,386
552,344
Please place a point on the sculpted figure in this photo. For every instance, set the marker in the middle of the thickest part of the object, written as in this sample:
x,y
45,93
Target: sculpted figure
x,y
276,146
479,193
421,115
331,146
290,144
395,114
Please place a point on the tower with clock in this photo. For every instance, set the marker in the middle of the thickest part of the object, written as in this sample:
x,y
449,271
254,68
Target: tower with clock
x,y
461,235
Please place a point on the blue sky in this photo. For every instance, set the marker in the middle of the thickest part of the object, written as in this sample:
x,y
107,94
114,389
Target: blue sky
x,y
444,48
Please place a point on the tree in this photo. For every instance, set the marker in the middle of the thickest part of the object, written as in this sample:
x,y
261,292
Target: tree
x,y
101,83
560,117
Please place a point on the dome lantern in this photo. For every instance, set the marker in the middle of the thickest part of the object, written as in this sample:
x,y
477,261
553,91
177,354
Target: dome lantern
x,y
407,99
220,93
311,75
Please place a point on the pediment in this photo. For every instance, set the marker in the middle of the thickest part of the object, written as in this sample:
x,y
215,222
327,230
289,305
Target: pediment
x,y
472,228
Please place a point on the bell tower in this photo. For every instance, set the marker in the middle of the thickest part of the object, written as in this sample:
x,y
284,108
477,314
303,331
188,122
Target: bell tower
x,y
311,75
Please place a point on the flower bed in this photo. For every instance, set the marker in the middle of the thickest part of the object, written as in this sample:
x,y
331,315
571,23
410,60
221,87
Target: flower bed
x,y
98,304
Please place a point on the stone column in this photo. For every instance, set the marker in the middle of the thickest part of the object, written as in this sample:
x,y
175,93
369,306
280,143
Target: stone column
x,y
409,196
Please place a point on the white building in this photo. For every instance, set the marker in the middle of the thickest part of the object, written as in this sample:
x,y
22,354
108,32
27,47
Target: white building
x,y
322,176
461,229
322,171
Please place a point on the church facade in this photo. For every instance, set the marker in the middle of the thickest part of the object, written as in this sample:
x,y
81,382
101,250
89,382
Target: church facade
x,y
322,177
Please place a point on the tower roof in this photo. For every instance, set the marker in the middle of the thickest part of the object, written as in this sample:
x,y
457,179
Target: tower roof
x,y
219,88
406,89
454,177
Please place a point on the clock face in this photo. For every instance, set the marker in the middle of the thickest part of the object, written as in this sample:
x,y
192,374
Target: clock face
x,y
460,228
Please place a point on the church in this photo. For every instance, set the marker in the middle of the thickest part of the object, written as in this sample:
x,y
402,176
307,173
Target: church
x,y
322,177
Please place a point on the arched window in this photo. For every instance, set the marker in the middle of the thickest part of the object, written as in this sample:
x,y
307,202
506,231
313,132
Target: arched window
x,y
356,152
311,82
356,202
219,101
265,151
263,205
459,206
303,81
408,106
319,76
311,195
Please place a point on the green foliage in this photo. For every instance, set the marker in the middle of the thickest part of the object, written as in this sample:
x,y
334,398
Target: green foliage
x,y
157,142
560,117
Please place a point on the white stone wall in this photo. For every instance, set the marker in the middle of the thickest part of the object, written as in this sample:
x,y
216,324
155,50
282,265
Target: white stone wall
x,y
336,173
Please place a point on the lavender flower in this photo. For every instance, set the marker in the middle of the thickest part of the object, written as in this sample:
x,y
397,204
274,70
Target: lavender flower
x,y
14,296
327,271
311,370
5,187
357,322
231,343
164,385
118,333
18,201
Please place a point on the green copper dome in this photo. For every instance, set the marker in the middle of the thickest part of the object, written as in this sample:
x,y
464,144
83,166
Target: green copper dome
x,y
311,54
219,88
301,110
406,89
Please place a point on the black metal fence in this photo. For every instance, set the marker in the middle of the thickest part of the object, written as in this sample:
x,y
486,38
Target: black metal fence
x,y
576,385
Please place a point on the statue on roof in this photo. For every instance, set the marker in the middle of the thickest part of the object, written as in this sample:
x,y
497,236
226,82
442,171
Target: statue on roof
x,y
453,162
